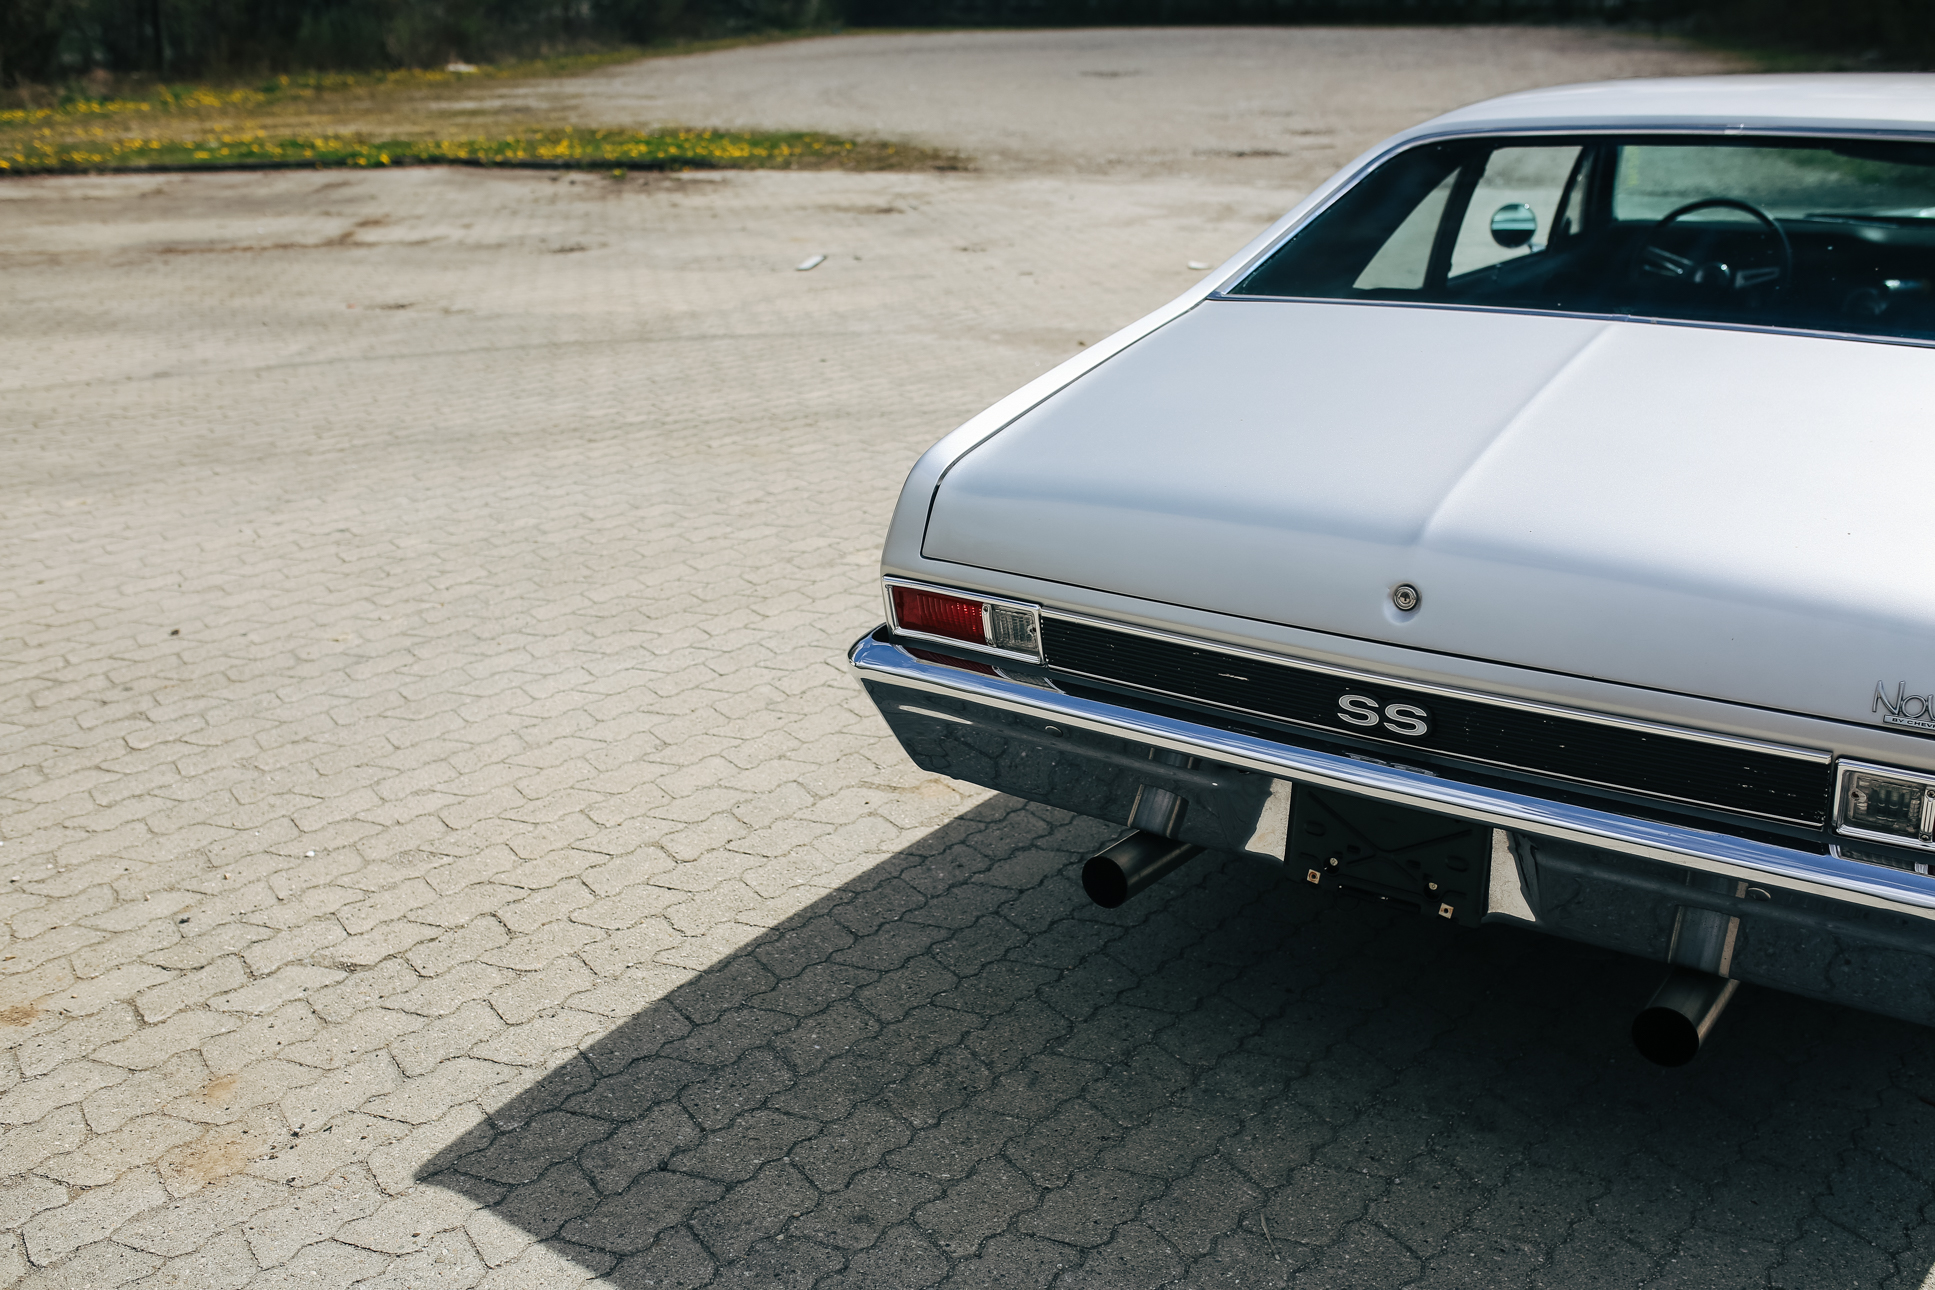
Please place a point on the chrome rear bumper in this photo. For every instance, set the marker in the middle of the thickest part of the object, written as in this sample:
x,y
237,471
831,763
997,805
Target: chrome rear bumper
x,y
1042,718
1813,924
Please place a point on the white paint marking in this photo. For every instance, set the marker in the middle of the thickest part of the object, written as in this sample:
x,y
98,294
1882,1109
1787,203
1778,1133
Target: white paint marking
x,y
1272,836
1506,894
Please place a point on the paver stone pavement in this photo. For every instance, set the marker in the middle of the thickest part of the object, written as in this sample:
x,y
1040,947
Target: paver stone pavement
x,y
442,847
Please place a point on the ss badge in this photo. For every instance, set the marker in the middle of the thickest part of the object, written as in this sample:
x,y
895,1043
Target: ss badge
x,y
1407,719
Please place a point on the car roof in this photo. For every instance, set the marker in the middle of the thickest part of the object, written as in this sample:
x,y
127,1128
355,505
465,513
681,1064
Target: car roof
x,y
1883,102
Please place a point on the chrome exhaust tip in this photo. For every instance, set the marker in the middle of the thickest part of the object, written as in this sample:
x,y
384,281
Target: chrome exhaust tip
x,y
1676,1021
1119,871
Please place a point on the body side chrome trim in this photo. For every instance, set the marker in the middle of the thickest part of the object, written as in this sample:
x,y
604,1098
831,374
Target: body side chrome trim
x,y
1814,755
1827,876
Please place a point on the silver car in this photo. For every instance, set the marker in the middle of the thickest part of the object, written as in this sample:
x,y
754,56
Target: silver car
x,y
1529,528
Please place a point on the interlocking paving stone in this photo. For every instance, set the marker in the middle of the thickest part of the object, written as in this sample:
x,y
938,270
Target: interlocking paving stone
x,y
442,846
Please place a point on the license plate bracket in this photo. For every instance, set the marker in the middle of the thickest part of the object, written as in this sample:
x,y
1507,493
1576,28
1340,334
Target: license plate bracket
x,y
1434,864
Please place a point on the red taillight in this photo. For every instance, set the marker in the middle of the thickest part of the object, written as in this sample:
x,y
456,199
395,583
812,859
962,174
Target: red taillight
x,y
954,617
1004,625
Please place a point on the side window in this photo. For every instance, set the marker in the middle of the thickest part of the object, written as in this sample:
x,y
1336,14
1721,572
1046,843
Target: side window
x,y
1513,207
1401,263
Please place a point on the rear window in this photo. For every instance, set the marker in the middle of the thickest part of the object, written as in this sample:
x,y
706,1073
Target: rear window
x,y
1822,235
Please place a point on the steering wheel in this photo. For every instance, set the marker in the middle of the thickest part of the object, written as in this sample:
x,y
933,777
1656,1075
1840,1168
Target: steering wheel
x,y
1654,262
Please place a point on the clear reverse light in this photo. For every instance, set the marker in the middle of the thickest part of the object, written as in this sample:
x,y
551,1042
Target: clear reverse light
x,y
1886,804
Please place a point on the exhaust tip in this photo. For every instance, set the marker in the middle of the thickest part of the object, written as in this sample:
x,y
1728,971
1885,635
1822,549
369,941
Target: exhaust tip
x,y
1118,872
1677,1019
1105,882
1665,1037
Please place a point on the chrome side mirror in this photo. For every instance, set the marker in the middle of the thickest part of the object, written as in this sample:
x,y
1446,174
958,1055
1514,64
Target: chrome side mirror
x,y
1513,224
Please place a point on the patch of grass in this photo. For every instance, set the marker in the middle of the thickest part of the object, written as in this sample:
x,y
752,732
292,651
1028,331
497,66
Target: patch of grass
x,y
423,116
567,148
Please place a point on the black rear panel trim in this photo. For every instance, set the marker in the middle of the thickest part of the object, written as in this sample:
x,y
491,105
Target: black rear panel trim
x,y
1766,785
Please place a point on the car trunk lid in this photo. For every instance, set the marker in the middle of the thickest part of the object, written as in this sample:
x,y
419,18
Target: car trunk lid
x,y
1711,511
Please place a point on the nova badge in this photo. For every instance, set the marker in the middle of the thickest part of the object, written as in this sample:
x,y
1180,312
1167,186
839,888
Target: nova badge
x,y
1406,719
1905,709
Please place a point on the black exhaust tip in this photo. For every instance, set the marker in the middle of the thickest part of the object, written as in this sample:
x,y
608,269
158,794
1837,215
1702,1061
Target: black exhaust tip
x,y
1665,1038
1680,1015
1120,871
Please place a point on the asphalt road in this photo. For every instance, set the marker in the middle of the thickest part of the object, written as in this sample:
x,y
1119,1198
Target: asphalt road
x,y
442,847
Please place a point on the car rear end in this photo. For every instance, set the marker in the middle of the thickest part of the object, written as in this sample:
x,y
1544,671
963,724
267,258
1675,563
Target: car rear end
x,y
1569,620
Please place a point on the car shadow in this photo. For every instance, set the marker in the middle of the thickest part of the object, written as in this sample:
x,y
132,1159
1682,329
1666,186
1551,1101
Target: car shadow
x,y
954,1068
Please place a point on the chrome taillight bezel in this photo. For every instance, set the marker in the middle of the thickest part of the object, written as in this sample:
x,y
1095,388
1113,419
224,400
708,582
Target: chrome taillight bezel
x,y
988,605
1845,773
